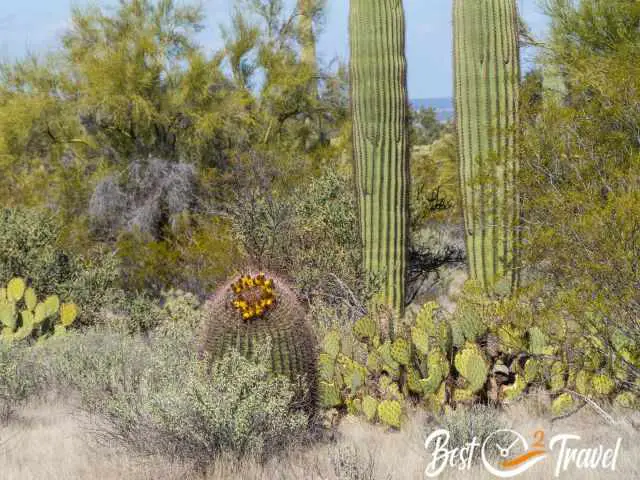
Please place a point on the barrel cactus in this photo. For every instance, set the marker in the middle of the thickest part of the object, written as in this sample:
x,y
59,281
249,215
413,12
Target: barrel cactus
x,y
380,140
256,308
487,76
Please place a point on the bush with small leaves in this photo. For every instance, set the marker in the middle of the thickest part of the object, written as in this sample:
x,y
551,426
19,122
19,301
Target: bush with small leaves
x,y
157,397
465,423
30,248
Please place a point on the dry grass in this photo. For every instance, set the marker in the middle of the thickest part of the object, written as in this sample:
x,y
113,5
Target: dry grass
x,y
50,440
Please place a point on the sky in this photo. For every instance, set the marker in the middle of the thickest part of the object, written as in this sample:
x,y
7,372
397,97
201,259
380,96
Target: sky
x,y
36,25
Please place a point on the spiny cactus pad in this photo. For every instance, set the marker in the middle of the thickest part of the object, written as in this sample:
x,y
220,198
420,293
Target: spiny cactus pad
x,y
414,381
401,351
15,289
370,407
331,344
626,400
51,305
68,313
365,329
557,380
329,395
537,341
353,373
425,319
30,298
389,364
8,314
602,384
472,365
22,316
326,367
583,382
532,368
390,413
420,339
514,390
463,395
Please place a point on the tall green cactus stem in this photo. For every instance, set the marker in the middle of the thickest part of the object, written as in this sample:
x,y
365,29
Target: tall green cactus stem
x,y
380,139
487,75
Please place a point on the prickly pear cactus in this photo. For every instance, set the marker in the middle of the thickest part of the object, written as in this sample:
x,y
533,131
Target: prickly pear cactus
x,y
473,367
488,350
245,312
390,413
22,316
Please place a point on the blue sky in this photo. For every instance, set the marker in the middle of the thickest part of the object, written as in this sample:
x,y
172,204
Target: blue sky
x,y
35,25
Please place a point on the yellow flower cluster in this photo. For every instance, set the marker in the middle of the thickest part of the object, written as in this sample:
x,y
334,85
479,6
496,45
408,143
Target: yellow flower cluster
x,y
254,295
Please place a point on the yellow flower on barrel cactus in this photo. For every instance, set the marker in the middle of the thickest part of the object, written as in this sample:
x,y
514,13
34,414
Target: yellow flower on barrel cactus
x,y
254,296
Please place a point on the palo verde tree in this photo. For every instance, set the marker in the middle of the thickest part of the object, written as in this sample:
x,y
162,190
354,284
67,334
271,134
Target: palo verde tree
x,y
487,76
380,139
309,12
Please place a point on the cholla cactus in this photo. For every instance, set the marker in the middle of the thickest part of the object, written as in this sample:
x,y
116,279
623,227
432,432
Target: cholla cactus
x,y
245,312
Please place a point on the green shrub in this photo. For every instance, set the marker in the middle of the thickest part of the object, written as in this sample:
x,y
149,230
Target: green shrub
x,y
156,397
196,253
30,248
581,159
239,408
465,423
18,381
310,235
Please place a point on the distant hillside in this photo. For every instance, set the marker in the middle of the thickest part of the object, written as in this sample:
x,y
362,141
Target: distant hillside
x,y
443,106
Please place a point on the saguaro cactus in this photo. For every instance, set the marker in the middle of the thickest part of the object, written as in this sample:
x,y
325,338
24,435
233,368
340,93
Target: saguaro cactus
x,y
487,77
380,135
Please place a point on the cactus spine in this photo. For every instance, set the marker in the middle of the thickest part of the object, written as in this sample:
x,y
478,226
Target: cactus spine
x,y
487,75
380,134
